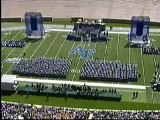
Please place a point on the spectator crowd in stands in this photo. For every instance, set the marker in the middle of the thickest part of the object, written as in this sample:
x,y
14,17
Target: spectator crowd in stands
x,y
109,70
23,111
123,115
13,43
151,50
43,67
12,111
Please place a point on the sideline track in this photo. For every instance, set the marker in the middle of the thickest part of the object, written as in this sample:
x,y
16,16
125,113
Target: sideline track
x,y
47,81
112,32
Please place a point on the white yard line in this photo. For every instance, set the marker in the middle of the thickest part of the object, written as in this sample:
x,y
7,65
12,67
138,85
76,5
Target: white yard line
x,y
4,36
12,49
51,45
105,52
72,47
129,54
154,34
78,63
18,57
38,47
94,48
143,66
118,48
60,48
2,39
153,97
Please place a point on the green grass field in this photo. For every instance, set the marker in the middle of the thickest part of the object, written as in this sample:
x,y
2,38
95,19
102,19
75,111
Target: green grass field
x,y
55,46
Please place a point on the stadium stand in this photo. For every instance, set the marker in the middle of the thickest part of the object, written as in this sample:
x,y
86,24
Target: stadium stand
x,y
41,67
73,91
94,31
13,43
151,50
27,111
125,115
109,71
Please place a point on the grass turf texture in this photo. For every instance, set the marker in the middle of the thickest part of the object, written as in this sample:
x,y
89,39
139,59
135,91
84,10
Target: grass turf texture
x,y
80,103
55,45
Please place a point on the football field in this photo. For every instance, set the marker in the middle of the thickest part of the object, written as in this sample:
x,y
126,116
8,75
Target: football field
x,y
54,45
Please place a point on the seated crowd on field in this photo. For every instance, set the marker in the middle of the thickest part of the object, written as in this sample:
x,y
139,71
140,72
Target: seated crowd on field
x,y
43,67
23,111
13,43
109,71
94,70
91,70
151,50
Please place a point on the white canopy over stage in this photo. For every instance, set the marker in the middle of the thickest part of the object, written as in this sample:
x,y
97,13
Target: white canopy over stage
x,y
9,82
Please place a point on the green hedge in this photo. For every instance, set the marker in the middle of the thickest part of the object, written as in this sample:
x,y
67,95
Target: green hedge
x,y
116,21
74,19
122,21
47,19
16,19
61,19
155,24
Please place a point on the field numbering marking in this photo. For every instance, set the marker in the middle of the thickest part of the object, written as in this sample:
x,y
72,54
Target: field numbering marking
x,y
18,57
12,49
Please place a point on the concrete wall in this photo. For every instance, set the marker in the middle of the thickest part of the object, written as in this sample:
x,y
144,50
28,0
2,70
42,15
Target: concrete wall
x,y
114,9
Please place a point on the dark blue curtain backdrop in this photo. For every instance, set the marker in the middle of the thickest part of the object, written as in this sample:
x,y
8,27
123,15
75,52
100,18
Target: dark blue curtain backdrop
x,y
140,26
33,23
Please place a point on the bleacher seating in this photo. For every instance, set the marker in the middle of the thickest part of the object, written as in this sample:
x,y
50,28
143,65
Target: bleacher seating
x,y
31,111
41,67
109,71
